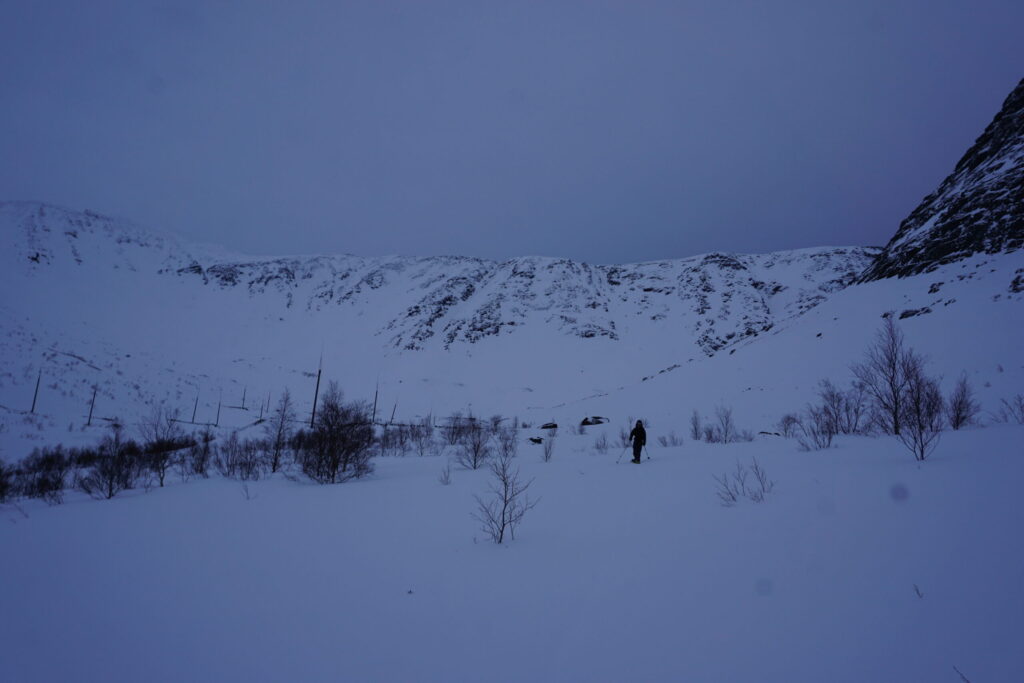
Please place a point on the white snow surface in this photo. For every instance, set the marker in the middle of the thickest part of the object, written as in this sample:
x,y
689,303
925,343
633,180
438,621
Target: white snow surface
x,y
621,573
861,564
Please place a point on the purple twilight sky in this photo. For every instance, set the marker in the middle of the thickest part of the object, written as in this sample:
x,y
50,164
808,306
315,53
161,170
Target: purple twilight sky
x,y
600,131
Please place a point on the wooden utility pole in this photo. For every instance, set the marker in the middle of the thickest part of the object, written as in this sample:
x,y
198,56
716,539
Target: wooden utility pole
x,y
36,395
195,407
243,396
217,423
373,417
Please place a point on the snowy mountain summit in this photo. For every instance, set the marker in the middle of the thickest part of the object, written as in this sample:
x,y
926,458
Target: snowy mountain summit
x,y
979,208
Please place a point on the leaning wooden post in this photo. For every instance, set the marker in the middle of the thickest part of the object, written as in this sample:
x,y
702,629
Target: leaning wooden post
x,y
316,395
36,395
91,406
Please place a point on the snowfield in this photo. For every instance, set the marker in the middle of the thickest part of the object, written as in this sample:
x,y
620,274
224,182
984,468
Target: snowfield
x,y
860,565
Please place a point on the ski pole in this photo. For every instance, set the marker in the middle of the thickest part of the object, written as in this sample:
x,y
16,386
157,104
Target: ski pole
x,y
617,460
647,452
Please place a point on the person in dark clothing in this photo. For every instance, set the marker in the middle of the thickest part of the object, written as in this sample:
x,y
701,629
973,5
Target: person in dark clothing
x,y
639,438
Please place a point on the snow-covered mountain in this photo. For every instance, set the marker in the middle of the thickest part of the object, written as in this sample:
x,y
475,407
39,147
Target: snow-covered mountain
x,y
979,208
94,301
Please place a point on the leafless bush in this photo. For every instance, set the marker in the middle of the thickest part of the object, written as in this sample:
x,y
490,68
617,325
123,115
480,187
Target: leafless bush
x,y
43,474
670,441
601,443
456,428
727,492
815,430
339,446
115,468
549,448
508,441
422,435
696,428
504,509
446,474
762,485
200,455
6,483
844,410
474,448
726,426
789,425
923,408
724,429
239,459
161,436
278,430
1012,410
623,441
394,440
883,376
961,408
734,486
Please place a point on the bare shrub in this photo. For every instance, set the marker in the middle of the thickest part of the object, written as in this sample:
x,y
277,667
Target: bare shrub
x,y
696,428
43,474
761,485
815,430
726,426
623,441
238,459
883,376
6,483
339,446
422,435
923,408
961,408
710,434
508,441
115,469
671,440
201,454
601,443
278,430
446,474
456,427
789,425
508,502
394,440
734,486
1012,410
161,436
474,448
549,448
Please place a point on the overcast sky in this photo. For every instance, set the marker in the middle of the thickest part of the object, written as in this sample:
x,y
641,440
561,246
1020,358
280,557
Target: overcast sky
x,y
604,132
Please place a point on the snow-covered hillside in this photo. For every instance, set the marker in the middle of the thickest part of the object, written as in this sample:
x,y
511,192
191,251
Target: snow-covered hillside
x,y
93,301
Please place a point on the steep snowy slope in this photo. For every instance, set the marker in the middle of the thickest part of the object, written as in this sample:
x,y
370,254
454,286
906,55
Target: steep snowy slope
x,y
979,208
92,301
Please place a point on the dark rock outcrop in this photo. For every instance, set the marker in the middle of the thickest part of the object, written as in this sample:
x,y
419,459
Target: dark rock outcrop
x,y
979,208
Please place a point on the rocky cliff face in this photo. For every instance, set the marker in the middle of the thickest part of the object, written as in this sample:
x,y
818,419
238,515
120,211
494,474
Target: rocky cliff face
x,y
979,208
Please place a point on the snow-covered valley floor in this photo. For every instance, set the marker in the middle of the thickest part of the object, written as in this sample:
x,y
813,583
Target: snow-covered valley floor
x,y
861,565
